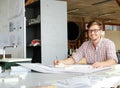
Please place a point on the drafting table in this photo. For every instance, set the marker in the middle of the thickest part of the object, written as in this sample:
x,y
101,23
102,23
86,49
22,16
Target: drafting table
x,y
61,80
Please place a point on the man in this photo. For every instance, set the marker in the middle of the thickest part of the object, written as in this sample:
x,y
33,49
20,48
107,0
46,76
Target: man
x,y
99,52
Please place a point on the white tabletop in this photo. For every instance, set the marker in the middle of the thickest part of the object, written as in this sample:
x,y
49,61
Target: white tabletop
x,y
15,59
33,79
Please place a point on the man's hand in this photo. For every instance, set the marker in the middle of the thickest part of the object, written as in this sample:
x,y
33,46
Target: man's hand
x,y
64,61
108,62
56,62
98,64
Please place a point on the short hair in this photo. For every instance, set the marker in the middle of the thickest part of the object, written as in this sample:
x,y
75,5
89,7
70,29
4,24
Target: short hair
x,y
95,22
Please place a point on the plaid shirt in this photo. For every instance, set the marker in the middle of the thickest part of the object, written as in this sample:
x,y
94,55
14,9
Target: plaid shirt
x,y
104,50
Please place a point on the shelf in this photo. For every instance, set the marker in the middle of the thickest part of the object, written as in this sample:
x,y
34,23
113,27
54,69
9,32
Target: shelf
x,y
32,5
36,24
33,30
29,46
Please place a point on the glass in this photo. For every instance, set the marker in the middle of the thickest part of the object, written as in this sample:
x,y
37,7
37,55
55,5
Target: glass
x,y
93,30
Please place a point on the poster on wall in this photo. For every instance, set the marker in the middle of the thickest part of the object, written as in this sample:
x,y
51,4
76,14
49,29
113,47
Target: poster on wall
x,y
16,31
16,21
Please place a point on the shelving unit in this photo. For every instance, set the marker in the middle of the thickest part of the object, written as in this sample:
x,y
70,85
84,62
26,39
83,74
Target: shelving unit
x,y
46,21
33,30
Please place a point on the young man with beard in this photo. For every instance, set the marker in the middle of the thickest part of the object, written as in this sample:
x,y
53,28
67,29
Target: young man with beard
x,y
98,51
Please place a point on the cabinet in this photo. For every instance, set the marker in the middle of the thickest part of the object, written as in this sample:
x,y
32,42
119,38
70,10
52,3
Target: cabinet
x,y
33,30
50,29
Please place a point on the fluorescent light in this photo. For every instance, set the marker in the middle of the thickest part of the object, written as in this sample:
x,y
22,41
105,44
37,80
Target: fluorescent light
x,y
106,14
101,2
73,10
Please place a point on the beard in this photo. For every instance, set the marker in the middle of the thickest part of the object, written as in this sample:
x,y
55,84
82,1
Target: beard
x,y
95,39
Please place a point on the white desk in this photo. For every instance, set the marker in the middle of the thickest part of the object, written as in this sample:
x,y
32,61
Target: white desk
x,y
7,62
33,79
36,79
15,59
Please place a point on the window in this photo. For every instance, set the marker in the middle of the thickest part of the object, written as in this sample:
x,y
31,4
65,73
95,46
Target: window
x,y
112,27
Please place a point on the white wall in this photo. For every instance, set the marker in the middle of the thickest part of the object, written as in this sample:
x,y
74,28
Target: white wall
x,y
3,22
3,15
12,26
16,30
4,38
115,37
53,30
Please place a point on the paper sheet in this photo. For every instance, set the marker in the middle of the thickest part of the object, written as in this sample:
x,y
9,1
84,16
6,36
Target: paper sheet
x,y
92,81
50,69
39,67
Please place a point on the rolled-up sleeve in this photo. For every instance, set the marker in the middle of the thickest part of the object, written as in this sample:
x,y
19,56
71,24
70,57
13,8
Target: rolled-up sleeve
x,y
79,53
111,51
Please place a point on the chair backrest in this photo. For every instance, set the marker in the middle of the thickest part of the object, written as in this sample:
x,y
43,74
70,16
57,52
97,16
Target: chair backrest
x,y
118,55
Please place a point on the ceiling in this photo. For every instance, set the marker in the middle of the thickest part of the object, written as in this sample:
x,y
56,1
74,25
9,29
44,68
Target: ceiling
x,y
106,10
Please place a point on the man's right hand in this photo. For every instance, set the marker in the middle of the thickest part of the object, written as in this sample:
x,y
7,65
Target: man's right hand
x,y
66,61
56,62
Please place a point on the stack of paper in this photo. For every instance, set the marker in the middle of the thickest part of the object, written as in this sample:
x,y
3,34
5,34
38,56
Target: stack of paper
x,y
19,69
74,82
93,81
69,68
9,79
39,67
110,82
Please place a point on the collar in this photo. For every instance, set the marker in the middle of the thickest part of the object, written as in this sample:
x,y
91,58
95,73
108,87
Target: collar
x,y
99,43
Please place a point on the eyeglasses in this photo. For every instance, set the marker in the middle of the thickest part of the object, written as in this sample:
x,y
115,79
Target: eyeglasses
x,y
93,30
